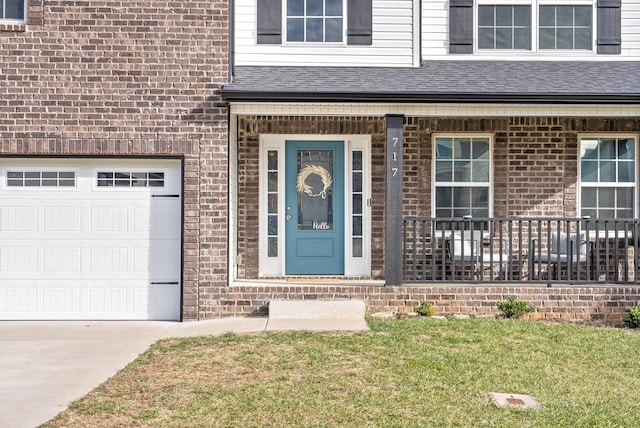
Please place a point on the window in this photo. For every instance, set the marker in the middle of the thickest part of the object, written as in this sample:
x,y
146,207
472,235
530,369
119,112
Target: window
x,y
357,195
565,27
314,20
319,21
130,179
535,26
12,10
41,179
607,177
504,27
462,176
272,203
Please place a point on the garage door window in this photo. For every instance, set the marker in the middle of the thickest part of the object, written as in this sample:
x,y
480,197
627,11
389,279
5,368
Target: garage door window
x,y
130,179
41,179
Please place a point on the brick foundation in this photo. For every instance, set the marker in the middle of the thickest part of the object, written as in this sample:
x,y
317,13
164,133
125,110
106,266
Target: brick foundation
x,y
601,304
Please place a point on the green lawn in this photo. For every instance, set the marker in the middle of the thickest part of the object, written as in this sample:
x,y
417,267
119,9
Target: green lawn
x,y
416,372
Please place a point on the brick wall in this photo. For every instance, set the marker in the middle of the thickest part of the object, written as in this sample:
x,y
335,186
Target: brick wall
x,y
103,78
570,303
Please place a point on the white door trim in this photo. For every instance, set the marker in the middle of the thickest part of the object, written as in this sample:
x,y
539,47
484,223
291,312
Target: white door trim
x,y
275,265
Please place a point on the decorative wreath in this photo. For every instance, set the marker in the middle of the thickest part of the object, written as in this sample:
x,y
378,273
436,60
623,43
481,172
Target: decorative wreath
x,y
303,187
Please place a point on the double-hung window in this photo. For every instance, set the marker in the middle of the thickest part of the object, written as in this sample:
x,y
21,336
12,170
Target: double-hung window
x,y
607,177
534,26
13,10
319,21
504,27
462,176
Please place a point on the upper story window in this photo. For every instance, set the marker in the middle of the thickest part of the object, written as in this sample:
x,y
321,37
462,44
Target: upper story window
x,y
13,10
314,20
565,27
535,26
504,27
462,176
607,177
560,27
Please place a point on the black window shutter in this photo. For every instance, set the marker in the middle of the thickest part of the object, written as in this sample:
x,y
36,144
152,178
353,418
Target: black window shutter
x,y
609,23
461,26
269,22
359,28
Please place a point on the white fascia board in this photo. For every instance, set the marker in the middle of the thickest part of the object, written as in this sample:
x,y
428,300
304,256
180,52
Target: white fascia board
x,y
437,110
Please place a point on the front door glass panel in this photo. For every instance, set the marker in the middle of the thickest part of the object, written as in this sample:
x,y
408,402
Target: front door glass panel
x,y
314,186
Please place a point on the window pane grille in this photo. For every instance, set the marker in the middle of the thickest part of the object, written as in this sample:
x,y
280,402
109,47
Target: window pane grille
x,y
565,27
41,179
607,177
130,179
357,195
316,21
272,203
504,27
463,167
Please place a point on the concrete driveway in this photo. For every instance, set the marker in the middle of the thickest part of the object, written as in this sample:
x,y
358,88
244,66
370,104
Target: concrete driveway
x,y
44,366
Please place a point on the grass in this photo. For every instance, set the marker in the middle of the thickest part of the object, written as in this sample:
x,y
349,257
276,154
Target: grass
x,y
403,373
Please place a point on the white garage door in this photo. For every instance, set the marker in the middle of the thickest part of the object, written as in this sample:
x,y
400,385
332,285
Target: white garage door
x,y
90,239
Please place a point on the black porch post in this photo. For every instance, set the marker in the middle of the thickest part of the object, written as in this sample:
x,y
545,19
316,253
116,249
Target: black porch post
x,y
393,207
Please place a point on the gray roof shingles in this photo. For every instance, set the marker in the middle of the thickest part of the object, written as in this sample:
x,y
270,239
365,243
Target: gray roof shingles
x,y
461,81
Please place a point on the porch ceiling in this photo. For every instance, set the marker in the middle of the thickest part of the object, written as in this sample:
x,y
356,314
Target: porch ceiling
x,y
520,82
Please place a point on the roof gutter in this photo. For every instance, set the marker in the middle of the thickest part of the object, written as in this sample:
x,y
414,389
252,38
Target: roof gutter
x,y
231,95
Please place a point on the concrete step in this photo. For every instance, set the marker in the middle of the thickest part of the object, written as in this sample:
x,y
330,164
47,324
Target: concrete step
x,y
336,309
316,315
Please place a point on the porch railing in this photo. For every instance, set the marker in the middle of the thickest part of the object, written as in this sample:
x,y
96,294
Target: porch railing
x,y
535,250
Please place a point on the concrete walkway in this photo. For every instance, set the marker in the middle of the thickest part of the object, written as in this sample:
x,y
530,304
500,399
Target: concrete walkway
x,y
45,365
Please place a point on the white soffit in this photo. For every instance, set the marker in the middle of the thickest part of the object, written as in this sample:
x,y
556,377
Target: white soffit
x,y
451,110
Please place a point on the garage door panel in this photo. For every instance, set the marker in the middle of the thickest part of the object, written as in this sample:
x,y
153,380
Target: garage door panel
x,y
109,259
62,259
19,300
109,219
90,252
62,219
19,259
19,219
61,299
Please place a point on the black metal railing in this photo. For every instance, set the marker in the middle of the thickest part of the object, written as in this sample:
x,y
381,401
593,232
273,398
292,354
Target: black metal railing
x,y
548,250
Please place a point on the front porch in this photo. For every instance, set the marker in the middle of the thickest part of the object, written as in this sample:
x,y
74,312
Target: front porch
x,y
530,241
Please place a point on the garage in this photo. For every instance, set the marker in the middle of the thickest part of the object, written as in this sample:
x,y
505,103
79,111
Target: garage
x,y
90,239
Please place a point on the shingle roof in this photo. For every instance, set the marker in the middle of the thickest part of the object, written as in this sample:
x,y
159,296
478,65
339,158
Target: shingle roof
x,y
442,81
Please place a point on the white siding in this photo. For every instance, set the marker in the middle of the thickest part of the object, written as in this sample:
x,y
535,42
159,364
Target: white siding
x,y
435,37
392,41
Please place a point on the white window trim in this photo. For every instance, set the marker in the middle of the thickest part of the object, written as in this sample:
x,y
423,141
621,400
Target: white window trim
x,y
286,42
634,185
435,184
275,266
535,49
17,21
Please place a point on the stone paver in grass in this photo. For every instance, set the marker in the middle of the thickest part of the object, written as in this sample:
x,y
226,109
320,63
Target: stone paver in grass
x,y
518,401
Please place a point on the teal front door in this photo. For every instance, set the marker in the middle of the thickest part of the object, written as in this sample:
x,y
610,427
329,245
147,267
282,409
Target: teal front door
x,y
314,208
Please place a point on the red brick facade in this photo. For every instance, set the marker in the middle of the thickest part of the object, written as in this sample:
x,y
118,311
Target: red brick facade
x,y
129,79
